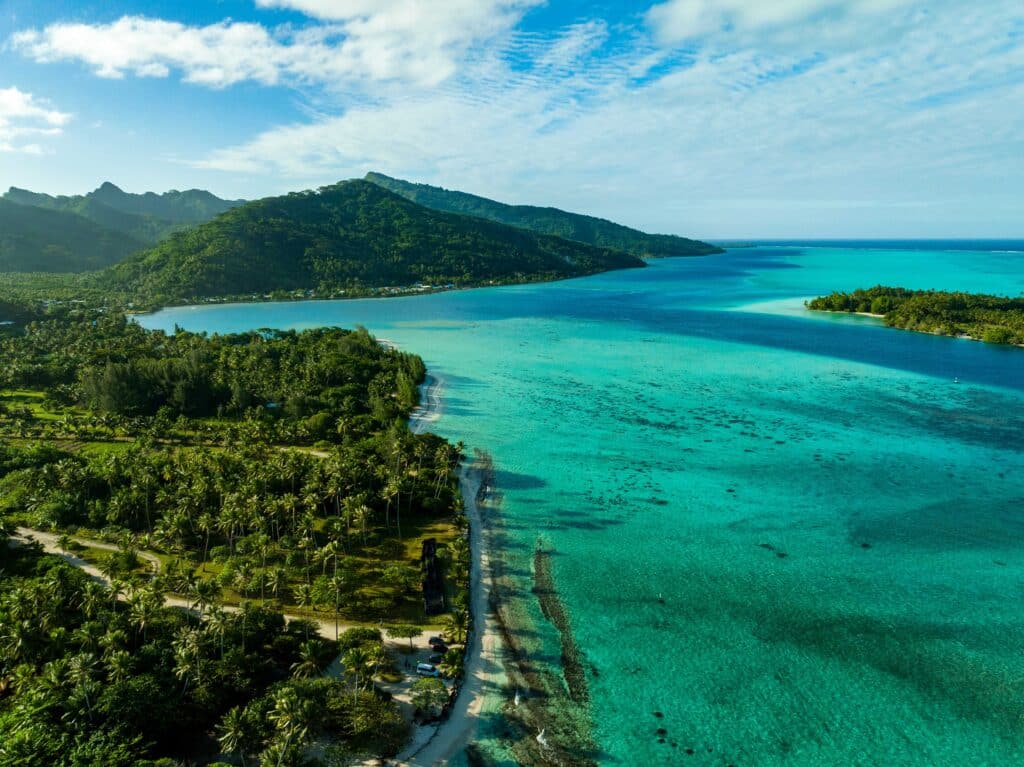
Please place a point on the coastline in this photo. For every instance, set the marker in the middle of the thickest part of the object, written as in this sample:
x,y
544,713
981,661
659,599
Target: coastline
x,y
434,744
960,336
431,406
482,662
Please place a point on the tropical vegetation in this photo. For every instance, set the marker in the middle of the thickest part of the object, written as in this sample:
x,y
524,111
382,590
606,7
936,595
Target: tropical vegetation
x,y
218,484
347,237
40,240
571,226
994,319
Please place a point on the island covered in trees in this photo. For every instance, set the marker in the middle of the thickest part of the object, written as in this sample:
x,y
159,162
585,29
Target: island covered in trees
x,y
993,319
252,508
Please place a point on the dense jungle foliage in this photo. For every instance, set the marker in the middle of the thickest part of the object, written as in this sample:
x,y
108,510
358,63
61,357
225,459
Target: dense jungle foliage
x,y
571,226
994,319
348,236
181,467
90,677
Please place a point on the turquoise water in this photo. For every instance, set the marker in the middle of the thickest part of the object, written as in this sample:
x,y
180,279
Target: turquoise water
x,y
835,528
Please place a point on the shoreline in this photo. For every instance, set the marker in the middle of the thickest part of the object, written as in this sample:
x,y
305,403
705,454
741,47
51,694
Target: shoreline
x,y
482,649
958,336
433,744
431,406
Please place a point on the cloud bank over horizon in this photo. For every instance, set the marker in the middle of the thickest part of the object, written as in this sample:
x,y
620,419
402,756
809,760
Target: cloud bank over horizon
x,y
708,117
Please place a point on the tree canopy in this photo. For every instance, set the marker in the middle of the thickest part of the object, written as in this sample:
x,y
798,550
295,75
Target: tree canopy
x,y
994,319
571,226
348,236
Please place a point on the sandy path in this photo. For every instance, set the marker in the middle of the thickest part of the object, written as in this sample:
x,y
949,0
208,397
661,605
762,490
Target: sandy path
x,y
326,626
482,654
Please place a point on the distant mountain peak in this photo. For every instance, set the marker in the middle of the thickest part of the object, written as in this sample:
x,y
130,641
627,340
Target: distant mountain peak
x,y
108,186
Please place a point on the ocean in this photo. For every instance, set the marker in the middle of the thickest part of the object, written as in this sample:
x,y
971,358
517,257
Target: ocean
x,y
781,538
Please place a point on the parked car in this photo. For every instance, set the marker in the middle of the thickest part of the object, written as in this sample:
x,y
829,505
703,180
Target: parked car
x,y
427,669
435,640
440,649
436,658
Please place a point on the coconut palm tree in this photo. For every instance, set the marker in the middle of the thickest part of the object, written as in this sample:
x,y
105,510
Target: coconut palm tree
x,y
309,663
355,662
234,732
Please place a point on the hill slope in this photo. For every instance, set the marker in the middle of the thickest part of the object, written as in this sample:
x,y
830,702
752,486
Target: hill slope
x,y
351,235
572,226
39,240
146,217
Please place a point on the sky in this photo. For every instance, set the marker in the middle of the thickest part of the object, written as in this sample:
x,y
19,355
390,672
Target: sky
x,y
707,118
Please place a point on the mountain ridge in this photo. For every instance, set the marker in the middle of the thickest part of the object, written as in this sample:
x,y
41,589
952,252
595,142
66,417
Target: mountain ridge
x,y
147,217
34,239
349,236
547,220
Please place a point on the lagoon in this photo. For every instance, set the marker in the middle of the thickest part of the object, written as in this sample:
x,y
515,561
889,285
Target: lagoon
x,y
793,536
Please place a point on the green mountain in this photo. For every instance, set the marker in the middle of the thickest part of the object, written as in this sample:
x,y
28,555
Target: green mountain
x,y
348,236
40,240
571,226
147,217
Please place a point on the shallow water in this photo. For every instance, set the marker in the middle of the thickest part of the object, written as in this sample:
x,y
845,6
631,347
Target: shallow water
x,y
835,528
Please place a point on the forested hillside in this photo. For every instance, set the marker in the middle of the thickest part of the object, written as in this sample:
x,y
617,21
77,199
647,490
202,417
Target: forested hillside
x,y
148,218
40,240
572,226
348,236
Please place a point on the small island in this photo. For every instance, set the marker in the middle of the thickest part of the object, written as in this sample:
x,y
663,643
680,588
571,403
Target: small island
x,y
993,319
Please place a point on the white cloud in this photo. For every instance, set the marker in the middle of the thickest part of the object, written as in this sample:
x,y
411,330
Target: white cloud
x,y
413,41
679,20
22,115
926,123
708,117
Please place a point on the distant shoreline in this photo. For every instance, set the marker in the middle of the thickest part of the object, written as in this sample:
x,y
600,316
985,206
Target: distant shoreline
x,y
959,336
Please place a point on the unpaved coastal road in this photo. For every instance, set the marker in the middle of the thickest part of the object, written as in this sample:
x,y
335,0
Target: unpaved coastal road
x,y
482,655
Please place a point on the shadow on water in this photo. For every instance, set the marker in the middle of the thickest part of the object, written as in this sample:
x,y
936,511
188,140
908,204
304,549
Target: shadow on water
x,y
938,356
958,523
511,480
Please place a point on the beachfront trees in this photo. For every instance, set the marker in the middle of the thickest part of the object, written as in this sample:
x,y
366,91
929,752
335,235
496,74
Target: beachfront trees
x,y
429,695
994,319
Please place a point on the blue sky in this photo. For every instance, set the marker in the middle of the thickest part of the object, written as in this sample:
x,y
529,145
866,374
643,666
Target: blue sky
x,y
712,118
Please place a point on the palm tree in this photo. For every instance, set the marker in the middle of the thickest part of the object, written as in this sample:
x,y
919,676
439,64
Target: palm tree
x,y
91,596
309,663
355,662
277,581
119,665
303,594
217,623
204,593
456,626
143,608
291,717
234,732
80,670
186,656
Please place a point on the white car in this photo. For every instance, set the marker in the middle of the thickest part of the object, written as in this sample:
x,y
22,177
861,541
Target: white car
x,y
427,669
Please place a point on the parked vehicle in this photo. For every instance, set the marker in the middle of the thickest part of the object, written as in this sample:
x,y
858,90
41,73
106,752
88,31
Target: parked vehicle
x,y
427,669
